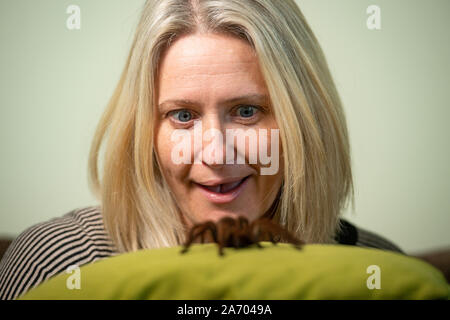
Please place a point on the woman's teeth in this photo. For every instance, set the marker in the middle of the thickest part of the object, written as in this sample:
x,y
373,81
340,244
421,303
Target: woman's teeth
x,y
222,188
229,186
213,188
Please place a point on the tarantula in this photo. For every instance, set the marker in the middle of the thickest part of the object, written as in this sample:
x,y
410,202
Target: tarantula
x,y
239,233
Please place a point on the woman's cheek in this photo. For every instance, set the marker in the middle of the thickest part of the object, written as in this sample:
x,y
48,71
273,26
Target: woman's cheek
x,y
163,149
165,143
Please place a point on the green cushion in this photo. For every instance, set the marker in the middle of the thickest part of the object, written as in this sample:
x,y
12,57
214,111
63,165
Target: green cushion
x,y
273,272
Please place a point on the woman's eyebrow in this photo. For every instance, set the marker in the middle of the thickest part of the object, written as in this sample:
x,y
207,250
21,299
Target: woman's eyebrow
x,y
252,98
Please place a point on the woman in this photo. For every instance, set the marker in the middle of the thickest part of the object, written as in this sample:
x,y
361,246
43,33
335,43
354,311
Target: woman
x,y
205,68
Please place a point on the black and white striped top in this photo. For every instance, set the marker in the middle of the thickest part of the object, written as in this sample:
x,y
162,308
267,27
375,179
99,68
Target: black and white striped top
x,y
48,248
79,237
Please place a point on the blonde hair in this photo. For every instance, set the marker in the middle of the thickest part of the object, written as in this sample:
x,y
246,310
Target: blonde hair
x,y
137,205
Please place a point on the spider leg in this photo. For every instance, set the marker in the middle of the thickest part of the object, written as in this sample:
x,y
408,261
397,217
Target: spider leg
x,y
273,240
256,240
195,231
229,238
222,240
256,234
264,235
277,233
236,240
221,249
242,222
210,226
226,234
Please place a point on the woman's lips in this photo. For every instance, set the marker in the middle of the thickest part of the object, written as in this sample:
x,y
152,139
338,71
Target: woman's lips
x,y
224,193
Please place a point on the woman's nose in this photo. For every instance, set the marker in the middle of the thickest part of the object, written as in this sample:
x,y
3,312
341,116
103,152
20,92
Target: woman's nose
x,y
214,147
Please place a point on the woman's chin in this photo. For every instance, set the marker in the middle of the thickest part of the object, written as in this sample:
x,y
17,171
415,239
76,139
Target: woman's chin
x,y
217,215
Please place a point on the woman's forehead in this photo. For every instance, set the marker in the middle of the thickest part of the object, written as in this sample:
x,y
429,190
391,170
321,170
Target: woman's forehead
x,y
218,64
212,46
208,56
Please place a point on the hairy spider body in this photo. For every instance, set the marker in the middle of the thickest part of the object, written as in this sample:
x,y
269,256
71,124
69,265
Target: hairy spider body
x,y
239,233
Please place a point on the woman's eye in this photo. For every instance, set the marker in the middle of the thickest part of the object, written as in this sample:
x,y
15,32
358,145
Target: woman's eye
x,y
182,115
247,111
244,111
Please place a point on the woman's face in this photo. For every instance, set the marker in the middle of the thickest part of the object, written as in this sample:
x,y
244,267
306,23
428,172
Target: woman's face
x,y
211,85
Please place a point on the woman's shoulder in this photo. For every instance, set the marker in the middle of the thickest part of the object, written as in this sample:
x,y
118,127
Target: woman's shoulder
x,y
351,234
371,239
48,248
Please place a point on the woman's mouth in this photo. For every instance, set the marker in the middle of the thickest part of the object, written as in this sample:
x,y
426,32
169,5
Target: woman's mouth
x,y
223,193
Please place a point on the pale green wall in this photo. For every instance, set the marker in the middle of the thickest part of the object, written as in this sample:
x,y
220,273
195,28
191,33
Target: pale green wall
x,y
393,82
